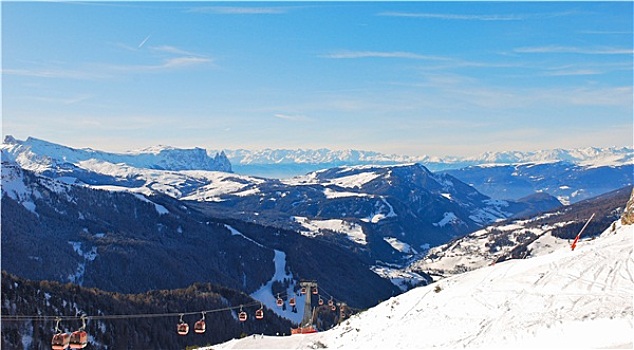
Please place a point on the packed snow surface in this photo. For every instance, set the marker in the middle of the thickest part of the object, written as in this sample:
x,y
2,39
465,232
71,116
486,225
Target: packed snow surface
x,y
566,299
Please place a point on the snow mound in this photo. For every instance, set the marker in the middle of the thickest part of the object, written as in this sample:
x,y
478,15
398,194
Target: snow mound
x,y
566,299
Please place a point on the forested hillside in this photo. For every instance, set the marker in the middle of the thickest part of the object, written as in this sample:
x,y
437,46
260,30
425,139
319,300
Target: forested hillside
x,y
126,321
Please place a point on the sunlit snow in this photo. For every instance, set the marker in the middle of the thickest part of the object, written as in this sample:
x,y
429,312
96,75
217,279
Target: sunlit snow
x,y
313,227
265,296
400,246
566,299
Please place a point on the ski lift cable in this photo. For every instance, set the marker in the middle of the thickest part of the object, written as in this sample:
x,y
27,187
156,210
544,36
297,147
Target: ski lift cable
x,y
121,316
130,316
323,291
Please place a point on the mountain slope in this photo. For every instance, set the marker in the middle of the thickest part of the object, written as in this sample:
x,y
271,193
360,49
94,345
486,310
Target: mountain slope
x,y
566,299
372,210
127,242
117,241
570,183
523,238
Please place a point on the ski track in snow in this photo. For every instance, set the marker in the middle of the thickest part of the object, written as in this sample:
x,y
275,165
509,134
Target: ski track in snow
x,y
565,299
264,295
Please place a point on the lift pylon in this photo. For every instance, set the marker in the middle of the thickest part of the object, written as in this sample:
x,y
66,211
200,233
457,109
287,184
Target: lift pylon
x,y
306,326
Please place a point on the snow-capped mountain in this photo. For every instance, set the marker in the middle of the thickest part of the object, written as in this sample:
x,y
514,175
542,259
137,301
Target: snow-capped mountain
x,y
590,156
314,156
565,299
284,163
39,155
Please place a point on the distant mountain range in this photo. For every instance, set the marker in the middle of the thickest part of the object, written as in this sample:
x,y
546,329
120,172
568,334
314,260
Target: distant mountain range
x,y
283,163
302,161
569,175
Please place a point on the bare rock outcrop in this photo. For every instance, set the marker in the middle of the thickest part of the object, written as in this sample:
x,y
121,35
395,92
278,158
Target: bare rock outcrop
x,y
628,215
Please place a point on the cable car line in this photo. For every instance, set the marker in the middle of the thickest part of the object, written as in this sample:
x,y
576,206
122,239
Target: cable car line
x,y
131,316
118,317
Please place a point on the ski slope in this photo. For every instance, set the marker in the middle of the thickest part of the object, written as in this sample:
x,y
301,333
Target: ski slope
x,y
566,299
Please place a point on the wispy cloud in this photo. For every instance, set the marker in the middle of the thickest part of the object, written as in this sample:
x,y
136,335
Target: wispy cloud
x,y
166,58
475,17
107,71
572,72
67,101
60,73
575,50
380,54
170,63
173,50
449,16
178,62
605,32
292,117
587,68
239,10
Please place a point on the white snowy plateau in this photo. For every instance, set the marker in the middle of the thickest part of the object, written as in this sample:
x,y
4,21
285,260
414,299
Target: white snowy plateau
x,y
564,299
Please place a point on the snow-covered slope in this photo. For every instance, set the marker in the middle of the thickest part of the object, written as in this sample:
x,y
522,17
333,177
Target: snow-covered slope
x,y
566,299
483,248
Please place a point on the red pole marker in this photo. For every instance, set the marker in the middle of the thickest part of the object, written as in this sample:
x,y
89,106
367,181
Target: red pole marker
x,y
574,243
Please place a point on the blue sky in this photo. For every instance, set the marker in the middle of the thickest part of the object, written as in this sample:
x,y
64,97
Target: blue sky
x,y
415,78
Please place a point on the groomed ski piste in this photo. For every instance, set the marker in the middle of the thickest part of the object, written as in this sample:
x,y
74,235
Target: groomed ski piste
x,y
567,299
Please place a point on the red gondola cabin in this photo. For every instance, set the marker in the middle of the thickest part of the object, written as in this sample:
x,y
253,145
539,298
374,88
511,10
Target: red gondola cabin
x,y
78,339
200,327
60,341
